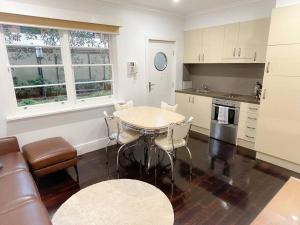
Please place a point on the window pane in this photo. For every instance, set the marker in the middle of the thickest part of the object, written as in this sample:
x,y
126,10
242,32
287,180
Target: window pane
x,y
90,56
19,55
89,39
91,90
30,36
92,73
39,95
37,76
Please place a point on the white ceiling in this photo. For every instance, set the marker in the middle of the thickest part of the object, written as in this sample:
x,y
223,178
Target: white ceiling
x,y
184,6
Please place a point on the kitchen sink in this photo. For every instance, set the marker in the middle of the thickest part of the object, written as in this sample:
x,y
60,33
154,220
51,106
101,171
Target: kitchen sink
x,y
201,91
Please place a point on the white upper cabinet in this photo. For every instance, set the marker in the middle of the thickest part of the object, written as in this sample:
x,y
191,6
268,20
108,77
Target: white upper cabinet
x,y
285,27
283,60
193,46
230,41
246,42
212,44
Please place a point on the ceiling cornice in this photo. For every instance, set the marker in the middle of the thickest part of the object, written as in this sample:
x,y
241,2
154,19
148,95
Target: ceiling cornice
x,y
224,7
143,7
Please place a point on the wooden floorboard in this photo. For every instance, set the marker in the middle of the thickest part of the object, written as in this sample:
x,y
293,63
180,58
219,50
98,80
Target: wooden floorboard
x,y
209,197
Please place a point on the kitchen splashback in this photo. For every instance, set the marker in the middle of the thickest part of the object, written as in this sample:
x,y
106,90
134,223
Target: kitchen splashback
x,y
231,78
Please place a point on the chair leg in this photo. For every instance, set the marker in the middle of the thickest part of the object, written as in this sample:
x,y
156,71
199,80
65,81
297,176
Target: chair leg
x,y
106,149
120,149
172,166
191,159
77,174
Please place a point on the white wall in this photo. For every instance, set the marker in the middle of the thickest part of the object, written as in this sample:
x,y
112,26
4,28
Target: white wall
x,y
253,10
86,129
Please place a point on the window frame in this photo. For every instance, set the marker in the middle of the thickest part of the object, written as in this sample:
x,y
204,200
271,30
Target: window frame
x,y
72,100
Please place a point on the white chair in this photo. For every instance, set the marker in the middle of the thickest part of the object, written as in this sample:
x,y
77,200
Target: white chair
x,y
119,107
168,107
119,135
177,137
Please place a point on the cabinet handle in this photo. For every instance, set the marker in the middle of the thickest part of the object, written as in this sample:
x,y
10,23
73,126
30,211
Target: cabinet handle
x,y
255,55
249,137
189,99
199,57
264,94
251,118
268,67
234,50
253,108
240,52
203,57
252,128
193,99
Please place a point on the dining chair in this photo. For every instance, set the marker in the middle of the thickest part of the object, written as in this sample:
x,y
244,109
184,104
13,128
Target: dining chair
x,y
122,137
126,105
168,107
177,136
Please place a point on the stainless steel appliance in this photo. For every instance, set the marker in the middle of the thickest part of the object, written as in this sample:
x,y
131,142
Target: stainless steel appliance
x,y
221,131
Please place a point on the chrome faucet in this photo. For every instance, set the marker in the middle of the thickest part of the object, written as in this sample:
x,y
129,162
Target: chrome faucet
x,y
204,87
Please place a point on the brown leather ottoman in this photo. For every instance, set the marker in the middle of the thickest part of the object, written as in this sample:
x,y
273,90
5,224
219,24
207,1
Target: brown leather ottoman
x,y
50,155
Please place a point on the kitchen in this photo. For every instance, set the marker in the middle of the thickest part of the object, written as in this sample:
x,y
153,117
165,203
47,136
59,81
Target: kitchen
x,y
239,81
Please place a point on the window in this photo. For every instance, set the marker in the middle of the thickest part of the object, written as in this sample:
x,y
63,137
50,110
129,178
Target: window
x,y
91,64
41,74
36,65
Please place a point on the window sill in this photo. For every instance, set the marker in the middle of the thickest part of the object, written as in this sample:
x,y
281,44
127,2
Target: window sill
x,y
30,115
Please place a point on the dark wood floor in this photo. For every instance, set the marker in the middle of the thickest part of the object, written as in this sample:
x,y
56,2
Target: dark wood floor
x,y
210,197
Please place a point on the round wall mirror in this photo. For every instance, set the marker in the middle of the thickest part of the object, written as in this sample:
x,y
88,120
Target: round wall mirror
x,y
160,61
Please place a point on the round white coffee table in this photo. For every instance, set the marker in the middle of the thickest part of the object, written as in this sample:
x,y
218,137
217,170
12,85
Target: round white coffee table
x,y
116,202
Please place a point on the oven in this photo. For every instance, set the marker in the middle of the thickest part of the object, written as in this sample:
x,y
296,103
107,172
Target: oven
x,y
225,131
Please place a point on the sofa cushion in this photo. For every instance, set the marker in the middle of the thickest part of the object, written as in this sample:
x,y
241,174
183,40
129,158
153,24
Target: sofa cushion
x,y
17,187
48,152
31,212
12,162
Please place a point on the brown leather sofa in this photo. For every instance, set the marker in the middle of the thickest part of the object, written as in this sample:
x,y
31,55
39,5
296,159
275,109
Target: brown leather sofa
x,y
20,202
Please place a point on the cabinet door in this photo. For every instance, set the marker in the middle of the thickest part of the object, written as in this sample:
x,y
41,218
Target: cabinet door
x,y
230,41
213,39
184,104
192,46
278,128
201,111
285,27
283,60
260,40
253,40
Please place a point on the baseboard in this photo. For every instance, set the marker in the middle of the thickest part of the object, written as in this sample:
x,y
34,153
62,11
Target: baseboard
x,y
278,162
91,146
200,130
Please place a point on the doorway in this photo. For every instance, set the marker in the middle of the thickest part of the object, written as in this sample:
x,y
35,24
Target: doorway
x,y
161,72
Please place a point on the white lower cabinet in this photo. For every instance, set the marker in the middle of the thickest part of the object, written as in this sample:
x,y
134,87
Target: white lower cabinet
x,y
198,107
247,125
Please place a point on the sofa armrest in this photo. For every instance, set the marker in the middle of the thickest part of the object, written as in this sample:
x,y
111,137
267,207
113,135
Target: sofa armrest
x,y
8,145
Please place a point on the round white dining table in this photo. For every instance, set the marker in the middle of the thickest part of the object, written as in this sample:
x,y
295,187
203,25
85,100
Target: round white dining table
x,y
149,118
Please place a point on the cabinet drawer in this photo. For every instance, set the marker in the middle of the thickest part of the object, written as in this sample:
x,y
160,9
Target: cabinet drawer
x,y
251,124
250,134
251,117
253,109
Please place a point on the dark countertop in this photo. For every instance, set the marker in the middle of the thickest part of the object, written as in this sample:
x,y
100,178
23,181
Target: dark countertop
x,y
221,95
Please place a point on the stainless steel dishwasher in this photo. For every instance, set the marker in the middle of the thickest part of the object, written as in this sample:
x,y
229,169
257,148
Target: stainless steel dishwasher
x,y
226,132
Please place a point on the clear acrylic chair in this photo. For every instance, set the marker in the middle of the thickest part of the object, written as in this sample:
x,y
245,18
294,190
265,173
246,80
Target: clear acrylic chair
x,y
116,133
119,107
168,107
177,137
